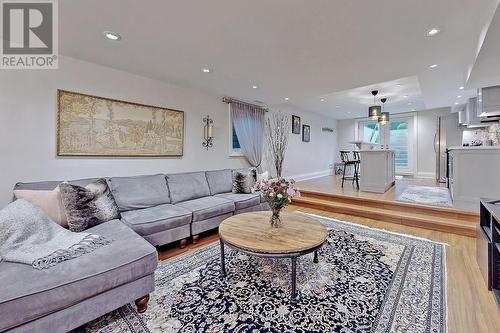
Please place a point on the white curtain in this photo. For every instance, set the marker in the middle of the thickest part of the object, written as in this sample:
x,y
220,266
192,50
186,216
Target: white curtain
x,y
248,121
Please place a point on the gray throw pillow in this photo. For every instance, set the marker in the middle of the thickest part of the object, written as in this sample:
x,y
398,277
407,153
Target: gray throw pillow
x,y
88,206
244,180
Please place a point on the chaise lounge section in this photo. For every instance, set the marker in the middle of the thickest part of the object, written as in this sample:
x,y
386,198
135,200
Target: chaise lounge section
x,y
155,210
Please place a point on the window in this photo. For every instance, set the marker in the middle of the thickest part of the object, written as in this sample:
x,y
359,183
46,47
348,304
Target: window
x,y
398,135
234,144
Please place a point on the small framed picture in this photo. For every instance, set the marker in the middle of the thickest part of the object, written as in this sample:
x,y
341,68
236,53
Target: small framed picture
x,y
295,124
306,133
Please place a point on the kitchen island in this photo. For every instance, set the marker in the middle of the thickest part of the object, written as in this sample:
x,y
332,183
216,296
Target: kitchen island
x,y
474,173
377,169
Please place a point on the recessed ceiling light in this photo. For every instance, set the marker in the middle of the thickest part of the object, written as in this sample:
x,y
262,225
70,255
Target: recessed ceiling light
x,y
456,103
459,96
433,32
286,98
322,99
433,66
206,70
399,85
462,88
254,87
112,35
405,96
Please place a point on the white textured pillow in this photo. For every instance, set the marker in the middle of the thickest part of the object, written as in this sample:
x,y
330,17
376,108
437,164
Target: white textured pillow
x,y
263,176
49,201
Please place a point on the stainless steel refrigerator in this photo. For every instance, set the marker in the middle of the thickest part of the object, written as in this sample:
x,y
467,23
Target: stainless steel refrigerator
x,y
440,149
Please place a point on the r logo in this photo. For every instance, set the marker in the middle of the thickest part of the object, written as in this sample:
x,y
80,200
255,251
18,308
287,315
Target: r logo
x,y
27,28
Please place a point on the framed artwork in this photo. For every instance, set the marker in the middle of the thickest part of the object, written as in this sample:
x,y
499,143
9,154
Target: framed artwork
x,y
306,133
97,126
295,124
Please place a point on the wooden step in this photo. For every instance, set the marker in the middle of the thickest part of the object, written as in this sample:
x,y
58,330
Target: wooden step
x,y
446,212
438,223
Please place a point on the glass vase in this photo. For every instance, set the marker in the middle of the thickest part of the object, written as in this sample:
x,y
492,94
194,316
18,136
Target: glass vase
x,y
276,218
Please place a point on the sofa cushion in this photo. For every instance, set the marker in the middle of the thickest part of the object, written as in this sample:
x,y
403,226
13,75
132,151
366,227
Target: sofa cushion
x,y
27,293
151,220
139,192
187,186
220,181
88,206
244,180
242,200
207,207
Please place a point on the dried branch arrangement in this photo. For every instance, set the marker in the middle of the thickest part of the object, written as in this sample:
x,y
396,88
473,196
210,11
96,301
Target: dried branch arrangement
x,y
277,131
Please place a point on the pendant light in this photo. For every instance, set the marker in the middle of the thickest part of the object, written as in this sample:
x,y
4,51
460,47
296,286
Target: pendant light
x,y
374,111
384,116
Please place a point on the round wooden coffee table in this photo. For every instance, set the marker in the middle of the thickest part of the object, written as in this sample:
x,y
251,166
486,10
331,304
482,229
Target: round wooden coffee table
x,y
251,233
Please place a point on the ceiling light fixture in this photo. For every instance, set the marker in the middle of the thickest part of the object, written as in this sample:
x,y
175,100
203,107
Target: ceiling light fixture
x,y
254,87
461,88
413,109
112,35
374,111
405,96
286,98
399,85
456,103
206,70
322,99
433,66
459,96
433,32
384,116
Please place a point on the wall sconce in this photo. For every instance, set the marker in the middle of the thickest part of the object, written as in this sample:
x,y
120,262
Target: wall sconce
x,y
208,132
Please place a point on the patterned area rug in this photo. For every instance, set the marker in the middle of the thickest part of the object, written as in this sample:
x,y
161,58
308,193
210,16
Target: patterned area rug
x,y
427,195
367,280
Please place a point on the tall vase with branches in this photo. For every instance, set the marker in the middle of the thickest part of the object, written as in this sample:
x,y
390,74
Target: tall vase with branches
x,y
277,126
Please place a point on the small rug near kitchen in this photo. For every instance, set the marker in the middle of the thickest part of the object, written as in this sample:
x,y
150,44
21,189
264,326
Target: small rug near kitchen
x,y
426,195
367,280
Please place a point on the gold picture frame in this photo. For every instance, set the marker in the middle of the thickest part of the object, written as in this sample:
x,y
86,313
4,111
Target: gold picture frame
x,y
89,125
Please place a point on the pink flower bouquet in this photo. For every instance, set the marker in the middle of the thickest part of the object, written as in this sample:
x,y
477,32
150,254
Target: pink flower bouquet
x,y
278,193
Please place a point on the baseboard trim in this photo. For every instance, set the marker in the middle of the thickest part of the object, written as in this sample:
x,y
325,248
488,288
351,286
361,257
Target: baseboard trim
x,y
312,175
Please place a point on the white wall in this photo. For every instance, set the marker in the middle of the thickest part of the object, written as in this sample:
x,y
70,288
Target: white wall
x,y
28,126
304,160
425,128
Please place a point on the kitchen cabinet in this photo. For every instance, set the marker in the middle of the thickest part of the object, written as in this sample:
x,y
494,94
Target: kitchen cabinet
x,y
473,173
378,170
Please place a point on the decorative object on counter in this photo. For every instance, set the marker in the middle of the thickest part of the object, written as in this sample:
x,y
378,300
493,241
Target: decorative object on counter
x,y
295,124
208,132
278,193
426,195
306,133
375,110
97,126
277,139
384,116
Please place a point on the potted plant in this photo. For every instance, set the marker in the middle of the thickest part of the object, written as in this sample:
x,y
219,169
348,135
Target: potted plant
x,y
278,193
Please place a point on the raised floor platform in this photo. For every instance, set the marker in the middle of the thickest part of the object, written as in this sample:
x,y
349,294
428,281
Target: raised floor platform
x,y
324,193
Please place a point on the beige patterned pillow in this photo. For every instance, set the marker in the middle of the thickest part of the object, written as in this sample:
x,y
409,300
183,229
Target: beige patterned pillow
x,y
49,201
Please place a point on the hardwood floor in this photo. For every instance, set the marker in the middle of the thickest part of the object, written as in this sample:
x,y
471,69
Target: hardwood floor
x,y
332,185
471,307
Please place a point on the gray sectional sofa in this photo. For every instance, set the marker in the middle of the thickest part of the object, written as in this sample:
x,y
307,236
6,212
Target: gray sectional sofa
x,y
157,208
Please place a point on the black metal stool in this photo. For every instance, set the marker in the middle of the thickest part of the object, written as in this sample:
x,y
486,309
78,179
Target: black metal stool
x,y
347,161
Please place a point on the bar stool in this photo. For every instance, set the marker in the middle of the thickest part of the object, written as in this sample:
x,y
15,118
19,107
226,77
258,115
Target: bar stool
x,y
347,161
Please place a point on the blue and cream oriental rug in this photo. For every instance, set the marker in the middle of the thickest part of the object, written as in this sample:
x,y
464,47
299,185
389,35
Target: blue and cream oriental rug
x,y
367,280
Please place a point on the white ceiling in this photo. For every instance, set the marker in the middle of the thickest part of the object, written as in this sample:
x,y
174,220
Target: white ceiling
x,y
288,48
